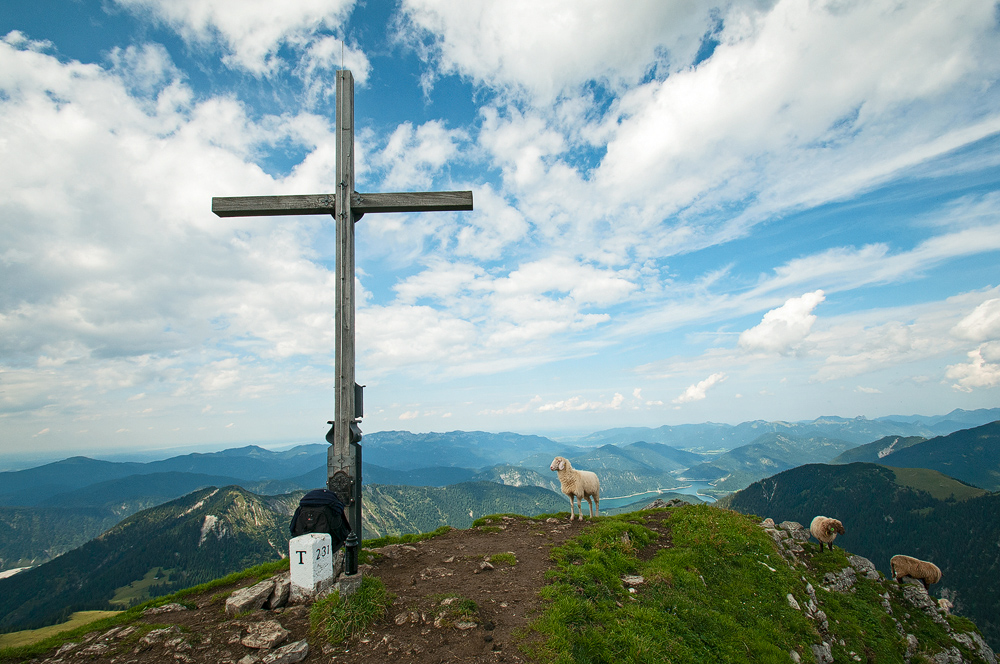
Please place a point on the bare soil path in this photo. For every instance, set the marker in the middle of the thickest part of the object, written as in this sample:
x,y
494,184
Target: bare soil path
x,y
500,568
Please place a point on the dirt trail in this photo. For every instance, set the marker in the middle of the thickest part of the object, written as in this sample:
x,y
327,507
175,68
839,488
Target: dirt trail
x,y
421,576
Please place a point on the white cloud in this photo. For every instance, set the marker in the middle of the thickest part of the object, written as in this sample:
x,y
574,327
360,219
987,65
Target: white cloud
x,y
697,391
578,403
868,390
983,369
783,329
412,157
544,48
251,31
982,324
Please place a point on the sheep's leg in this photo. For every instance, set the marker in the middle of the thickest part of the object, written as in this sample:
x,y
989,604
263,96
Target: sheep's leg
x,y
597,504
590,502
927,586
571,513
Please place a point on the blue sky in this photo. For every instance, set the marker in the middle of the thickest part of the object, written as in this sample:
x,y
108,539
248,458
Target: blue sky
x,y
685,212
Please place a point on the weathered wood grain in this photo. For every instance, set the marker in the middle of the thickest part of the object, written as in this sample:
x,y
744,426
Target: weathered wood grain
x,y
273,206
427,201
276,206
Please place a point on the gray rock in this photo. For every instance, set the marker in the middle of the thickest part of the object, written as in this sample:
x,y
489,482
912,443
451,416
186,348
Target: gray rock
x,y
975,643
840,581
918,597
776,535
282,588
66,647
822,653
790,526
659,503
792,603
290,654
249,599
950,656
265,635
160,634
348,585
864,567
912,646
166,608
795,657
631,580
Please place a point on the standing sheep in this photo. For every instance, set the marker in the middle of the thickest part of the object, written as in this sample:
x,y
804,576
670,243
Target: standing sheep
x,y
921,570
578,484
826,530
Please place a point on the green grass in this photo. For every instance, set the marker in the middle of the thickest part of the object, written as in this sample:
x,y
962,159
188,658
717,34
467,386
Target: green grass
x,y
939,486
258,572
139,591
505,557
711,596
30,636
337,619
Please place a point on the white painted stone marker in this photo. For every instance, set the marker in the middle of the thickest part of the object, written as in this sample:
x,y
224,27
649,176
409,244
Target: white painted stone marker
x,y
311,561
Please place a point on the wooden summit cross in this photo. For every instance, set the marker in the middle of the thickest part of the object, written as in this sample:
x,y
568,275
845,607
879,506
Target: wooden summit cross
x,y
347,207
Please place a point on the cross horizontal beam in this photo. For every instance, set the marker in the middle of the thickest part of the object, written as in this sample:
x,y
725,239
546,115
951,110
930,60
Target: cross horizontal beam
x,y
274,206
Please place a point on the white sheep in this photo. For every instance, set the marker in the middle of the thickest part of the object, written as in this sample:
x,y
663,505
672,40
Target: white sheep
x,y
825,530
921,570
578,484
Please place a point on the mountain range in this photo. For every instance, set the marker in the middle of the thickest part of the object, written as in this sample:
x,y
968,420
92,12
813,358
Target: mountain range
x,y
87,496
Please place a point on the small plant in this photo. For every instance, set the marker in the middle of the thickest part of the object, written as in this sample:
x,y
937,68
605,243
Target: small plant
x,y
506,557
453,609
337,619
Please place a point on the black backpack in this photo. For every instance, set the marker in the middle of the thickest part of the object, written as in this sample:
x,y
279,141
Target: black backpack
x,y
320,511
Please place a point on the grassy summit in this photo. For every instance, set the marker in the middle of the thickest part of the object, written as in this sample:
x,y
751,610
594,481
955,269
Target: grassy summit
x,y
689,584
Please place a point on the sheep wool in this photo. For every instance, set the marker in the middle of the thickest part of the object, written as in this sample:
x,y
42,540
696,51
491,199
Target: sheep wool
x,y
921,570
826,530
578,485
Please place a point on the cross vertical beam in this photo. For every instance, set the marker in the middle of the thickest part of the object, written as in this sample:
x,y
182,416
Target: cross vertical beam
x,y
340,456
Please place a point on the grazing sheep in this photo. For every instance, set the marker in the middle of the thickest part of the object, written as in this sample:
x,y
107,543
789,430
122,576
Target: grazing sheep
x,y
825,530
578,484
921,570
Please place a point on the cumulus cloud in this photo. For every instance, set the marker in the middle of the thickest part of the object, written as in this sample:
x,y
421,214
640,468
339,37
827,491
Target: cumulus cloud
x,y
578,403
982,370
412,157
784,328
250,32
116,276
697,392
545,48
